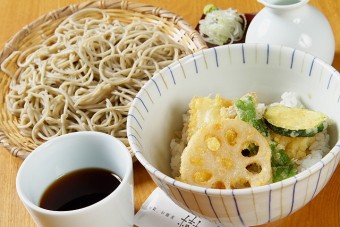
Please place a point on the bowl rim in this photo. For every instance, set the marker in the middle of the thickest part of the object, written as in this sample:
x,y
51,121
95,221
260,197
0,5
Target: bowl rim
x,y
332,154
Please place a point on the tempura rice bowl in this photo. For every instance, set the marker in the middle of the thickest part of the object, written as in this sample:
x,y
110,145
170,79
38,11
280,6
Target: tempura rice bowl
x,y
232,71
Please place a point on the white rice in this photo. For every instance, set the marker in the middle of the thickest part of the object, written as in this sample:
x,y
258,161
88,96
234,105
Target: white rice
x,y
290,99
318,149
177,146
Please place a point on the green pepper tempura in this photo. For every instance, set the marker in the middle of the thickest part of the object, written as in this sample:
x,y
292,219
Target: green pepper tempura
x,y
246,111
282,166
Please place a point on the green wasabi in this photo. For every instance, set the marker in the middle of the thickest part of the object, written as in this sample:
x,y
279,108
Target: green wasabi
x,y
209,8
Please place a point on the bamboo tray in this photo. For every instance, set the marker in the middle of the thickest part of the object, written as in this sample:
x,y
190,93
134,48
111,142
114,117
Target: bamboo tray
x,y
37,31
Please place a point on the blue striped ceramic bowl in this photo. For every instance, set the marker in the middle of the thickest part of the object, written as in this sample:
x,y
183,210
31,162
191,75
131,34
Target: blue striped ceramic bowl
x,y
232,71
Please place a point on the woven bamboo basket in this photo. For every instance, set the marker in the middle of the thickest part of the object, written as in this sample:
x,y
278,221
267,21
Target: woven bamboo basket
x,y
37,31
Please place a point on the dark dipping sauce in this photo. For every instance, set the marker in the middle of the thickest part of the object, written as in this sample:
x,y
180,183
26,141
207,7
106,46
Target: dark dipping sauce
x,y
79,189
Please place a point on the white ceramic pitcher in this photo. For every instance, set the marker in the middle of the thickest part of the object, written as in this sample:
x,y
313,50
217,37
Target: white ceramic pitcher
x,y
293,23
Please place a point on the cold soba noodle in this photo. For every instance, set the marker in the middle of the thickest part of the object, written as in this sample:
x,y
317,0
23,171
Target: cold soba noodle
x,y
86,74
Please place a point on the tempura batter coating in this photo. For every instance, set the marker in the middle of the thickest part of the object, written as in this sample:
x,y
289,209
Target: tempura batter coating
x,y
222,155
204,110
